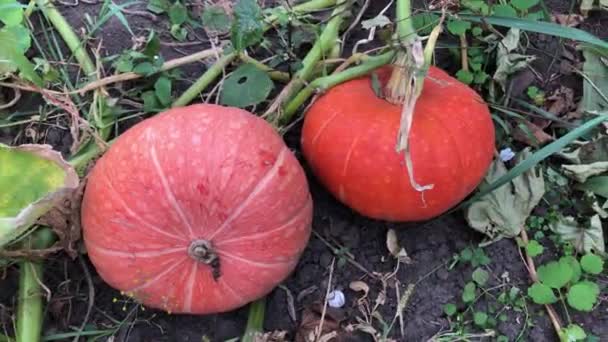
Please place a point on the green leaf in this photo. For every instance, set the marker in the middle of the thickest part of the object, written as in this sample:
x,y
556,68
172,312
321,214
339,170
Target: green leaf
x,y
449,309
21,36
583,295
215,18
11,12
555,274
504,10
585,239
576,267
179,32
464,76
533,248
592,264
152,45
480,318
480,276
480,77
158,6
572,333
541,294
12,58
247,28
424,22
524,5
503,212
162,89
477,31
468,294
151,103
144,68
466,254
34,179
458,27
178,13
548,28
246,86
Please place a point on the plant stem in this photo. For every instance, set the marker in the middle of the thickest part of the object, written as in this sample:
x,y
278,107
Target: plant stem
x,y
68,35
203,82
405,24
327,82
323,45
274,74
210,75
255,321
534,276
309,6
29,305
127,76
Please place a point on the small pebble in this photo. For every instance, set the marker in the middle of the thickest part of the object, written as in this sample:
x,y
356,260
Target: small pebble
x,y
336,299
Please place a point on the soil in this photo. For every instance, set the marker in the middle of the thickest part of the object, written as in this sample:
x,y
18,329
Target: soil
x,y
430,245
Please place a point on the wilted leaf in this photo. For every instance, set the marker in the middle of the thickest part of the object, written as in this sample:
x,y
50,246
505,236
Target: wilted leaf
x,y
530,134
561,101
582,172
598,185
569,20
359,286
504,211
392,244
246,86
595,68
34,179
507,61
585,239
378,21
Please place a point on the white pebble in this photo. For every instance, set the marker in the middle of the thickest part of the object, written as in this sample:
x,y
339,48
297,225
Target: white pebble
x,y
336,299
506,154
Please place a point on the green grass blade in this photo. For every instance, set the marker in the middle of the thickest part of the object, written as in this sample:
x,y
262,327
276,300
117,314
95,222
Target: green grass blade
x,y
539,27
536,158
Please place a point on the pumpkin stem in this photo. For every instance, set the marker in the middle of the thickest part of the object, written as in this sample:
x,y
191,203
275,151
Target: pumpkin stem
x,y
202,251
407,78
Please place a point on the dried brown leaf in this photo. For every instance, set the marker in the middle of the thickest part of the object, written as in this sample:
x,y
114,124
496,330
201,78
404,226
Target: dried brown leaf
x,y
540,136
359,286
569,20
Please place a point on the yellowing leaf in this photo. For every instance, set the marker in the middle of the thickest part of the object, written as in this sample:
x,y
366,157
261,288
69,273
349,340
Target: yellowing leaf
x,y
34,179
582,172
503,212
586,239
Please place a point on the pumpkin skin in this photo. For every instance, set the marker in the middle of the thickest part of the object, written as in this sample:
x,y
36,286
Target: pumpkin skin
x,y
349,136
201,173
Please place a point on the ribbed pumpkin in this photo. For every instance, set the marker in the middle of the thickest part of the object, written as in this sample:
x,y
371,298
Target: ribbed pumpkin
x,y
200,209
349,137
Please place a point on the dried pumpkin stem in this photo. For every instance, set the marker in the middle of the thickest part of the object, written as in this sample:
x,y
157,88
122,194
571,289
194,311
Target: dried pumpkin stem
x,y
406,82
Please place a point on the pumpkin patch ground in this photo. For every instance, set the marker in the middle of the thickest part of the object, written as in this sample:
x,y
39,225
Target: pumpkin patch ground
x,y
461,275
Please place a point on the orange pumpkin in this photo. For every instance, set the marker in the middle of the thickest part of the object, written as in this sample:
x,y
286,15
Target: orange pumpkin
x,y
200,209
349,137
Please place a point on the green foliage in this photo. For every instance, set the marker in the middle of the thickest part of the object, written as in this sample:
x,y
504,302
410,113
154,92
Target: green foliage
x,y
247,27
33,177
480,276
555,274
533,248
592,264
247,85
583,295
541,294
214,18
